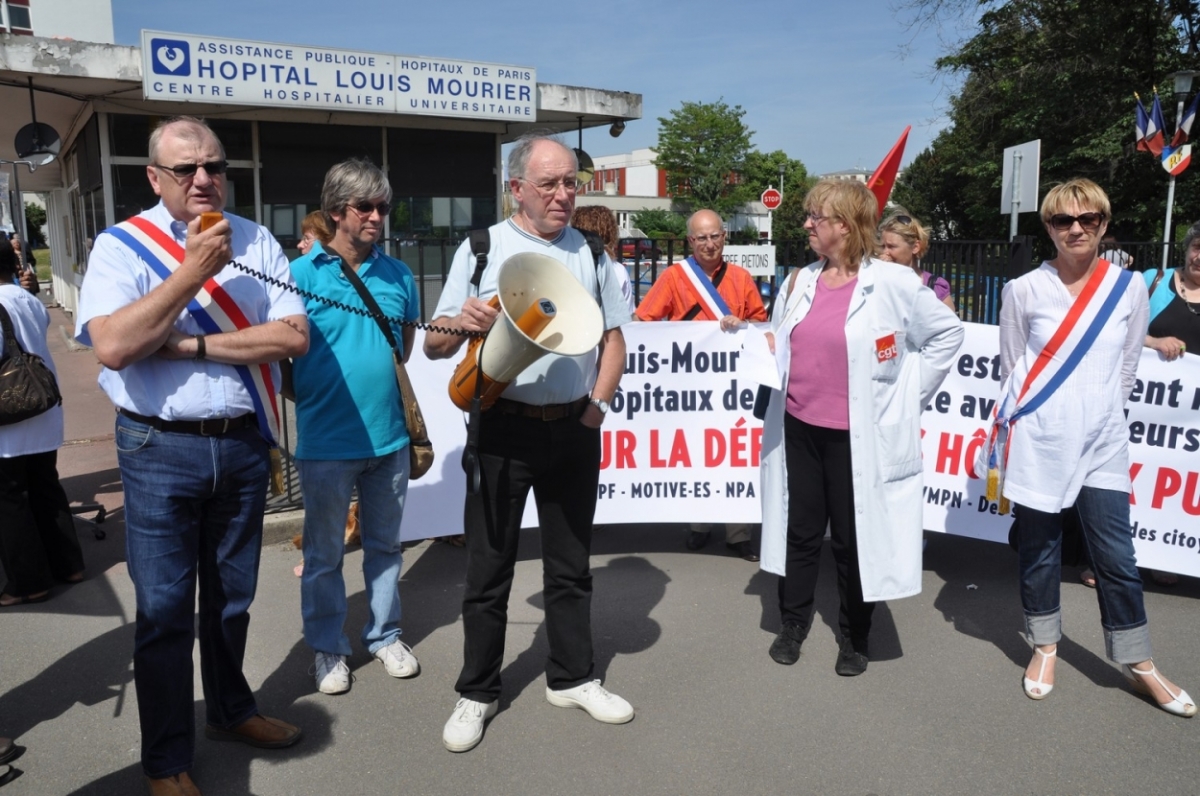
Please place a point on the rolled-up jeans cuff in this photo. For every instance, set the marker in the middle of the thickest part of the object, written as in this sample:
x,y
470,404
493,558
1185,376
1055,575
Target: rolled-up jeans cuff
x,y
1129,645
1044,629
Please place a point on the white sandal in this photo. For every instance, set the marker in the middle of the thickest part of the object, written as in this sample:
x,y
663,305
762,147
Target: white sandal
x,y
1044,688
1180,705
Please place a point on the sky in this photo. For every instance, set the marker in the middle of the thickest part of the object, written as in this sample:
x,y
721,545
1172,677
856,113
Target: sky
x,y
832,84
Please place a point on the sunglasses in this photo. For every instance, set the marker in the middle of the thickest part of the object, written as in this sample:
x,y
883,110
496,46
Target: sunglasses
x,y
185,170
1090,222
365,208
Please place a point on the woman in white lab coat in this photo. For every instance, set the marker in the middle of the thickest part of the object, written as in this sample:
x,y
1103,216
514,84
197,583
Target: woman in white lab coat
x,y
861,345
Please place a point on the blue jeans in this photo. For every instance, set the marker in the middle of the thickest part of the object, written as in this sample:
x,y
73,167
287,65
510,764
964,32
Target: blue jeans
x,y
193,515
1105,519
327,485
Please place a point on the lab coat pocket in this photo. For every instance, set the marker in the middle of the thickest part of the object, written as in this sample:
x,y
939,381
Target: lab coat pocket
x,y
888,351
898,449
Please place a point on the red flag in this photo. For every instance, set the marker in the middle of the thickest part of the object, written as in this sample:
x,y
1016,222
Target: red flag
x,y
884,178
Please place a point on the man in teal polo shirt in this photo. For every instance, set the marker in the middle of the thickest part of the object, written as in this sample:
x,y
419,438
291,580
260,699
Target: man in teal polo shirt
x,y
350,425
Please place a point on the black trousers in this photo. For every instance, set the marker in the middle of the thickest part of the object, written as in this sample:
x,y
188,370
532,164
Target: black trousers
x,y
37,534
560,461
821,492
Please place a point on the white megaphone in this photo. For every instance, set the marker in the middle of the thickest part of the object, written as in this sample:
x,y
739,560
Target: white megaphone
x,y
543,310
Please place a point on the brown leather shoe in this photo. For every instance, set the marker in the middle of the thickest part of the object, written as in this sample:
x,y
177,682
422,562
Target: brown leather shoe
x,y
179,785
8,750
258,731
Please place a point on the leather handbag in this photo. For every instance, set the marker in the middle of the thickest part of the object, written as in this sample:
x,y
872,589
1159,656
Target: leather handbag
x,y
27,387
420,449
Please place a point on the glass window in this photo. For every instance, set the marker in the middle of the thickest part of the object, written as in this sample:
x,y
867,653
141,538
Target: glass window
x,y
129,135
132,192
18,18
294,160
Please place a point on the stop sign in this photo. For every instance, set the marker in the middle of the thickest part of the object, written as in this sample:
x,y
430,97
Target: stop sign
x,y
771,198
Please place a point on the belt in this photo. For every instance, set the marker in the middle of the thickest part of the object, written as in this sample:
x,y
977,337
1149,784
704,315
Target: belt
x,y
544,412
214,427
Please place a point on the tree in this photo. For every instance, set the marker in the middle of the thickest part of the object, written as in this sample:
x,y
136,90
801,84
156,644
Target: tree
x,y
702,147
660,223
788,221
35,219
762,171
1063,71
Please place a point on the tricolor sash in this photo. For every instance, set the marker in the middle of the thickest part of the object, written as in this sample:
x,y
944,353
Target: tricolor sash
x,y
215,311
1054,364
705,290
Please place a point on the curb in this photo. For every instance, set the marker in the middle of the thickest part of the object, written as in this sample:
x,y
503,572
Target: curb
x,y
282,527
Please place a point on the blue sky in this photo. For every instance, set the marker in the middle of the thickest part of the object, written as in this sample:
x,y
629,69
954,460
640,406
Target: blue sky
x,y
825,82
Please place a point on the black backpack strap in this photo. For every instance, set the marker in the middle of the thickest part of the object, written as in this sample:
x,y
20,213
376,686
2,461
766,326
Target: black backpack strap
x,y
481,244
596,244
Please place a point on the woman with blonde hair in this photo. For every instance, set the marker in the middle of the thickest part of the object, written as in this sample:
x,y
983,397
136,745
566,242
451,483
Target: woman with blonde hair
x,y
1071,335
905,240
861,347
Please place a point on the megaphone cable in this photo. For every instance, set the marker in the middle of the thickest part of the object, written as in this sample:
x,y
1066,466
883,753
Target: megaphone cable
x,y
270,280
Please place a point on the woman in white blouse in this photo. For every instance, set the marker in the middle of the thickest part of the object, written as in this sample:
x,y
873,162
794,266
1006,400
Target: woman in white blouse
x,y
38,544
1073,447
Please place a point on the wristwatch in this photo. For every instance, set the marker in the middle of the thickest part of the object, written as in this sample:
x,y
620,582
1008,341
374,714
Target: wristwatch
x,y
600,404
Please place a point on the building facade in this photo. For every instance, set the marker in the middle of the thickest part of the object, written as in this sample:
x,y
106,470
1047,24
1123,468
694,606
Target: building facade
x,y
281,129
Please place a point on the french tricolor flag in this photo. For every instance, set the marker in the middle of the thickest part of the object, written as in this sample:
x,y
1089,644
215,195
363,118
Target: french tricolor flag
x,y
1185,123
1155,139
1141,124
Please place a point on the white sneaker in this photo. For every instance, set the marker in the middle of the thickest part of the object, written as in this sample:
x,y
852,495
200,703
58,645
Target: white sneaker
x,y
398,659
464,730
595,699
333,675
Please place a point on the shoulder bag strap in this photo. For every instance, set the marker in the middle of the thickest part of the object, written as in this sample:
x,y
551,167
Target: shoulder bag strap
x,y
373,306
11,346
1157,278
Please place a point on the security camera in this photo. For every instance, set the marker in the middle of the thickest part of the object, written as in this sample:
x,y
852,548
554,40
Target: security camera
x,y
617,128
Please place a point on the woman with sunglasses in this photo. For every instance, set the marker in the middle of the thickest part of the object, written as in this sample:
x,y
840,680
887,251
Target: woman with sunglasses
x,y
1068,444
861,347
903,240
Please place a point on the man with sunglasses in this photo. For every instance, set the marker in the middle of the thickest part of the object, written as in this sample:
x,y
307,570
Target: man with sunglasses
x,y
681,294
543,434
188,345
350,424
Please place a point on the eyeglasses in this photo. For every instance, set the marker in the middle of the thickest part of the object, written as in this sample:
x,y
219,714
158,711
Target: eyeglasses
x,y
568,184
900,220
716,237
185,170
1090,222
365,208
815,218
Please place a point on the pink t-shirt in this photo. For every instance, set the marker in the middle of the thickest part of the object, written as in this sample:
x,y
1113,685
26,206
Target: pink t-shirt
x,y
818,389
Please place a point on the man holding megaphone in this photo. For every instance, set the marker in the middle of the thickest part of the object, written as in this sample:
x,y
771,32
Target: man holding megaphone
x,y
541,433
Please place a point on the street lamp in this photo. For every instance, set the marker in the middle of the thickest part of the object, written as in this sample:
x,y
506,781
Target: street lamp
x,y
1183,87
781,168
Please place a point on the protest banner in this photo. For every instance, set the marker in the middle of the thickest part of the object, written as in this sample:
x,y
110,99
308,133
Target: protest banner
x,y
680,443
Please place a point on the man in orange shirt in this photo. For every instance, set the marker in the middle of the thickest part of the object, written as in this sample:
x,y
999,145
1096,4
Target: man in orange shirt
x,y
706,288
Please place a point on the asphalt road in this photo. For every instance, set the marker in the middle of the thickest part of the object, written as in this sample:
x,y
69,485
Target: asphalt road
x,y
683,636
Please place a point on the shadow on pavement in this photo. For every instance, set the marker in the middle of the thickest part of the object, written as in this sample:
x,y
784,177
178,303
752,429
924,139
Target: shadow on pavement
x,y
107,661
225,767
991,611
624,593
884,638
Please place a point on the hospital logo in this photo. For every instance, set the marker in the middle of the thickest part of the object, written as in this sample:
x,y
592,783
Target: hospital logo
x,y
170,57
